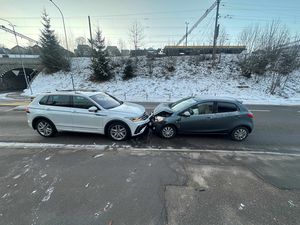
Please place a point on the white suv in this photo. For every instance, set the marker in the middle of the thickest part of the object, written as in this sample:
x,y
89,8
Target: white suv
x,y
92,112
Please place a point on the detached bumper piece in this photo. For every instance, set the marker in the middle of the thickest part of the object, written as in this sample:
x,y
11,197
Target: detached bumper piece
x,y
139,128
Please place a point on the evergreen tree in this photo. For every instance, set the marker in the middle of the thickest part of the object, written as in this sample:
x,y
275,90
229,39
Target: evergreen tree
x,y
100,61
128,71
53,56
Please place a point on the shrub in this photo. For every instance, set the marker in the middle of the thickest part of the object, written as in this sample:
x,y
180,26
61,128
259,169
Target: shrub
x,y
128,70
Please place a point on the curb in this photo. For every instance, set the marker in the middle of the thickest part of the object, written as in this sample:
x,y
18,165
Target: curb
x,y
127,148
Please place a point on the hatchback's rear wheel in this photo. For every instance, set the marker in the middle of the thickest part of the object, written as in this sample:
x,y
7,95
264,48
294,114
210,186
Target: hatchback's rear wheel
x,y
239,133
45,128
168,131
118,131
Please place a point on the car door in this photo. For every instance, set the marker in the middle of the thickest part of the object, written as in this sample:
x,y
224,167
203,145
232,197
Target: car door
x,y
227,115
84,120
57,109
201,118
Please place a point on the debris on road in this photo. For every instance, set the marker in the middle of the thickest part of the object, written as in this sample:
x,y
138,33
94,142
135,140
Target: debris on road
x,y
292,204
242,206
97,156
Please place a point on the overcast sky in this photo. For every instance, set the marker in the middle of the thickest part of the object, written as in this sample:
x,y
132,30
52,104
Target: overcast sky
x,y
164,20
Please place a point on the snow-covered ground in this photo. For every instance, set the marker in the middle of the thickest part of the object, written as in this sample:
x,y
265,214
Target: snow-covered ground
x,y
189,78
4,97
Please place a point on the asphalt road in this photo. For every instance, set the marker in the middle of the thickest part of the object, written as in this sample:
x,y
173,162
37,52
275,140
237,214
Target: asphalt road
x,y
110,187
277,128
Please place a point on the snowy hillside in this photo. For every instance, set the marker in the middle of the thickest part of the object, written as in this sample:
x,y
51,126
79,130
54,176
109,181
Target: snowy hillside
x,y
190,77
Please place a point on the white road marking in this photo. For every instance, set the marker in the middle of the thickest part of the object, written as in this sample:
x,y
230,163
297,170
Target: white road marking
x,y
127,148
260,110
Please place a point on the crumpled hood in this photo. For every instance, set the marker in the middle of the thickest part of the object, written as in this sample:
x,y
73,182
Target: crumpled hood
x,y
129,109
163,107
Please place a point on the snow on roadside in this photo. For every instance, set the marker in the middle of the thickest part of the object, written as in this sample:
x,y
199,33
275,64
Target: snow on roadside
x,y
4,97
188,79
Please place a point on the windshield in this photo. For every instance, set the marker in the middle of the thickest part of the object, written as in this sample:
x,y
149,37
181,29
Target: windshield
x,y
182,104
106,101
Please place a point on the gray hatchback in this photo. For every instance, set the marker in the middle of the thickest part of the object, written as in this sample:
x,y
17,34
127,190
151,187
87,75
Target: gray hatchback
x,y
203,115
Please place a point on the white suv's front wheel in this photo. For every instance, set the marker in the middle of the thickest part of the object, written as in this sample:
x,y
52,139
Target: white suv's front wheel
x,y
118,131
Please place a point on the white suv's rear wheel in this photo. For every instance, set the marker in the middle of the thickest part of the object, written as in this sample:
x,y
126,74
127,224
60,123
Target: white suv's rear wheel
x,y
45,128
118,131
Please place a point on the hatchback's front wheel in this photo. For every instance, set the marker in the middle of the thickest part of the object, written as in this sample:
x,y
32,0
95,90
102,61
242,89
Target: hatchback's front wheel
x,y
45,128
118,131
168,131
239,133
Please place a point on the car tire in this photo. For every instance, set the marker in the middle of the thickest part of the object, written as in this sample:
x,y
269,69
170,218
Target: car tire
x,y
239,133
118,131
45,128
168,131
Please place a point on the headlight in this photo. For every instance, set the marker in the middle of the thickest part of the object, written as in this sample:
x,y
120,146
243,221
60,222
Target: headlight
x,y
136,119
159,118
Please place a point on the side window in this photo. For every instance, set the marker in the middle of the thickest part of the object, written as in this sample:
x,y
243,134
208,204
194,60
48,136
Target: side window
x,y
226,107
202,108
82,102
59,100
44,100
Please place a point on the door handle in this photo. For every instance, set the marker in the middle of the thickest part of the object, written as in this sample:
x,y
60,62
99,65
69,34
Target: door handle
x,y
100,115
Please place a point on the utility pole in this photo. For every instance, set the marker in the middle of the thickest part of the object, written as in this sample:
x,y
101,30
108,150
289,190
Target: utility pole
x,y
216,33
91,37
186,32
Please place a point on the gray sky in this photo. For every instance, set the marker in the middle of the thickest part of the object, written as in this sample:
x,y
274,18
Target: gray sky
x,y
164,20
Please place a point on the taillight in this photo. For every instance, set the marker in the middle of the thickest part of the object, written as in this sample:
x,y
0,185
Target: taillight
x,y
250,115
27,110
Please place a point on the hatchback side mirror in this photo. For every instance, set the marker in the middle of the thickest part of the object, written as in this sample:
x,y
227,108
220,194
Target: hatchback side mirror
x,y
93,109
186,114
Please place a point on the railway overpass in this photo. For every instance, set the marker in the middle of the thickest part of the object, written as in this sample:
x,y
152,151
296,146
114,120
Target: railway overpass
x,y
11,72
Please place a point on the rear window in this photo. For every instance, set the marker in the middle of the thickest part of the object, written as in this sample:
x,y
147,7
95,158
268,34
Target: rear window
x,y
56,100
44,100
226,107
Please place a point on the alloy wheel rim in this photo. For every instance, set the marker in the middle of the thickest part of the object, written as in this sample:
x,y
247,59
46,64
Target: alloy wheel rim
x,y
44,128
168,132
240,134
118,132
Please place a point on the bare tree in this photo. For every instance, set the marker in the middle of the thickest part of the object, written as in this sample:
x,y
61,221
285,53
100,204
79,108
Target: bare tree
x,y
269,52
136,35
249,37
268,38
121,44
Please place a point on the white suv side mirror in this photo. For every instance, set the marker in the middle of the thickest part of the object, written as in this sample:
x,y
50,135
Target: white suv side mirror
x,y
93,109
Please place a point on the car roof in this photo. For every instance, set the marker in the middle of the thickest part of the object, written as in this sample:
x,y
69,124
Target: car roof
x,y
216,98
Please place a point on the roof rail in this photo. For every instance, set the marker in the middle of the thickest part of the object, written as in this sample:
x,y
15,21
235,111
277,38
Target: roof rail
x,y
76,90
87,90
63,90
